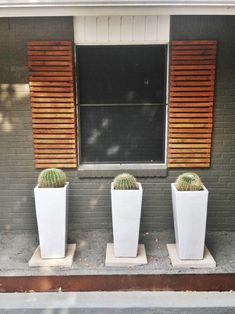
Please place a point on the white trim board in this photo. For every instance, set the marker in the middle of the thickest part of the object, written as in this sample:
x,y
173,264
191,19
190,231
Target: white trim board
x,y
112,11
113,3
143,29
35,3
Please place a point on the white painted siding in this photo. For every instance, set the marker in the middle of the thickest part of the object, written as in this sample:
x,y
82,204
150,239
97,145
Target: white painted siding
x,y
102,28
114,29
121,29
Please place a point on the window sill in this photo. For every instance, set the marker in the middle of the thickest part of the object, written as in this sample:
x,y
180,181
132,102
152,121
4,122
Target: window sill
x,y
111,170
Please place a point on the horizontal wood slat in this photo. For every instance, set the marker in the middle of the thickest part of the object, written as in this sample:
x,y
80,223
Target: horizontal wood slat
x,y
187,47
51,99
53,126
52,165
190,155
190,140
50,63
50,53
50,72
189,130
49,43
189,165
53,151
56,136
58,156
50,78
45,84
184,136
49,58
52,68
52,110
51,105
53,131
192,67
51,94
52,102
50,146
192,79
193,42
50,89
189,104
49,48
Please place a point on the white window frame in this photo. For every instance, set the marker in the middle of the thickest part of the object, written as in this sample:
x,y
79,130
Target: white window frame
x,y
130,166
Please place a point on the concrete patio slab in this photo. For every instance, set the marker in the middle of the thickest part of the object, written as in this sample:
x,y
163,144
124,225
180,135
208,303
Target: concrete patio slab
x,y
207,262
113,261
37,261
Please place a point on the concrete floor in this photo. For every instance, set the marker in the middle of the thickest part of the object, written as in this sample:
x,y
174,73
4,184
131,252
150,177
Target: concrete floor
x,y
17,248
118,303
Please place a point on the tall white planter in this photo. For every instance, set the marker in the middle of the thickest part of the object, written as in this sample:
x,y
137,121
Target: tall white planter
x,y
51,210
190,214
126,212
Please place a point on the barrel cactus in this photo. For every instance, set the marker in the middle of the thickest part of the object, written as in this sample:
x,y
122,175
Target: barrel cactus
x,y
125,181
51,178
189,181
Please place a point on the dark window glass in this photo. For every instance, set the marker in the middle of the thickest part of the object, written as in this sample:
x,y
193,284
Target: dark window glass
x,y
122,103
122,134
121,74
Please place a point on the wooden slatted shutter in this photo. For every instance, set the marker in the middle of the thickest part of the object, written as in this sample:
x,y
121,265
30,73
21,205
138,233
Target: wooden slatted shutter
x,y
192,79
52,102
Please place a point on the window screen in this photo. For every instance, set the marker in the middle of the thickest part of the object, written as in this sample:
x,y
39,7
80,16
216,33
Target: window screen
x,y
122,103
122,134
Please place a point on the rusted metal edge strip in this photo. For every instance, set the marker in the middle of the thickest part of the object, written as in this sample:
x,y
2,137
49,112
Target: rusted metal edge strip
x,y
164,282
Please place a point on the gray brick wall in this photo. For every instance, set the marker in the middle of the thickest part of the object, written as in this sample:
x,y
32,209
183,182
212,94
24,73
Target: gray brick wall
x,y
17,172
90,198
220,178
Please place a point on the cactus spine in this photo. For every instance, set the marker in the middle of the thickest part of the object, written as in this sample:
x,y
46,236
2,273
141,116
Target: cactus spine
x,y
125,181
189,181
51,178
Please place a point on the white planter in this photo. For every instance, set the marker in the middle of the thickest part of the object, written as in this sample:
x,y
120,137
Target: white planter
x,y
51,210
126,212
190,213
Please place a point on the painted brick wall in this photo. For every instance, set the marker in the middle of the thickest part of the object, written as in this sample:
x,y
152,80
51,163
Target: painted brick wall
x,y
220,178
17,172
90,198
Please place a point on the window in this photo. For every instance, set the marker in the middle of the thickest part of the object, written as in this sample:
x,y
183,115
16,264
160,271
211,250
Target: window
x,y
122,103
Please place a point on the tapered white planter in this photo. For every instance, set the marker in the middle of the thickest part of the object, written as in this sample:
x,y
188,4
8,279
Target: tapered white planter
x,y
190,214
126,212
51,210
